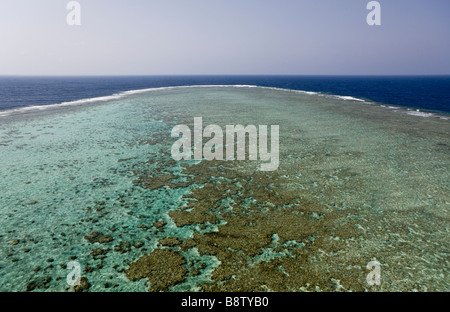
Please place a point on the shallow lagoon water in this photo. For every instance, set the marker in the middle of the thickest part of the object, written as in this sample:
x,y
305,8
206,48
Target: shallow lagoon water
x,y
359,181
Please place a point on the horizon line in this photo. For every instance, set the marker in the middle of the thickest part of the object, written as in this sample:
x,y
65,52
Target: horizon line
x,y
223,75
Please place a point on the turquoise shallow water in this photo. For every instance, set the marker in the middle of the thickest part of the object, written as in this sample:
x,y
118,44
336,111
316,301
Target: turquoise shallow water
x,y
68,172
57,166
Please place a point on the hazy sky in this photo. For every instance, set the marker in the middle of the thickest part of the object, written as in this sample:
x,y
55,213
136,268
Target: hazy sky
x,y
165,37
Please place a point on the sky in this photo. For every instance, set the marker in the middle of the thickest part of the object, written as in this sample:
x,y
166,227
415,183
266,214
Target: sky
x,y
218,37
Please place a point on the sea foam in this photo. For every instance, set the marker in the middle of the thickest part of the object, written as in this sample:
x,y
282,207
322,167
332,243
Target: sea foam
x,y
123,94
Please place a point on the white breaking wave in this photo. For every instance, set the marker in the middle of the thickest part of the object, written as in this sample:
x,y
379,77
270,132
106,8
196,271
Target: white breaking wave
x,y
120,95
123,94
19,110
348,98
421,114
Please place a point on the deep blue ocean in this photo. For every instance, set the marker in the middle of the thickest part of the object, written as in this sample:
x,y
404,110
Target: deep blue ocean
x,y
424,92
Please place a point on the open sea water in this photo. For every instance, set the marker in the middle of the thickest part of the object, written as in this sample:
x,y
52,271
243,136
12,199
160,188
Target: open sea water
x,y
423,92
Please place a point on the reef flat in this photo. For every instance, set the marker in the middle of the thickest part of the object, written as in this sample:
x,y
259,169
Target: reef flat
x,y
356,182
